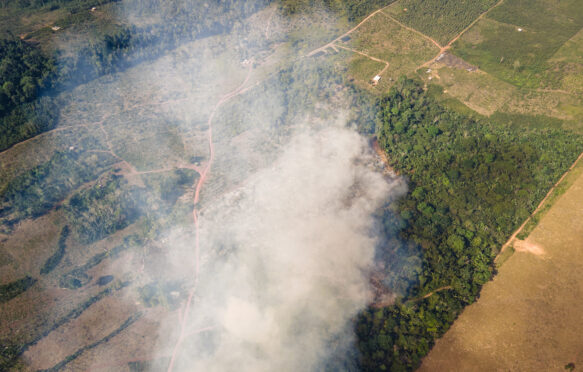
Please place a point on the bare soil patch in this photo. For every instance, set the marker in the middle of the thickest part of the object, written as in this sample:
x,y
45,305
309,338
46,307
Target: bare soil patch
x,y
450,60
526,246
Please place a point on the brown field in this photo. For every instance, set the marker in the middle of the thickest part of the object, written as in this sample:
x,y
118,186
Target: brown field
x,y
529,317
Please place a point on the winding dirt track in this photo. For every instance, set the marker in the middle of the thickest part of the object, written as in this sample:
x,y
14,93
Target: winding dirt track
x,y
186,310
333,44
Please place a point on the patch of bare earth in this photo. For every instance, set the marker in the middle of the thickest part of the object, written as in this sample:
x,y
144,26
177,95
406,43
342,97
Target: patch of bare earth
x,y
527,246
452,61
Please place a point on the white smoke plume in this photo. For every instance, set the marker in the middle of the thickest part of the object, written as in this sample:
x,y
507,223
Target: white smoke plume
x,y
284,259
301,247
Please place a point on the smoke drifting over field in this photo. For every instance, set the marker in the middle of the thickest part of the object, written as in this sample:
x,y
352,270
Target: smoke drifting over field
x,y
302,245
275,261
285,259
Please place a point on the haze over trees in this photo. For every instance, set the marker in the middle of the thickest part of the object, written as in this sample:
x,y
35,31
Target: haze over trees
x,y
471,184
472,180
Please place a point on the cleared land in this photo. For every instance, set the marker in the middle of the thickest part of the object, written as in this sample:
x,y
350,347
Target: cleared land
x,y
149,128
382,38
528,318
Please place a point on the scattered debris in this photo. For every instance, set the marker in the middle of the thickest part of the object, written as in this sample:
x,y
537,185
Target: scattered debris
x,y
440,57
93,9
429,78
71,148
428,71
55,28
453,61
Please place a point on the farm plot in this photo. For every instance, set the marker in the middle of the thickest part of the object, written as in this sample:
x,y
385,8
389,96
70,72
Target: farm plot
x,y
384,39
514,41
442,20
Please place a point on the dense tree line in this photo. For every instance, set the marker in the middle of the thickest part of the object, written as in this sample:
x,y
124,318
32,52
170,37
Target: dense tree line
x,y
23,71
54,260
471,184
10,290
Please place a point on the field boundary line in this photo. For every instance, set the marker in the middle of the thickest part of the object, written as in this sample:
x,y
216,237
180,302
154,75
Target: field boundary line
x,y
427,37
330,44
538,208
474,22
450,43
367,56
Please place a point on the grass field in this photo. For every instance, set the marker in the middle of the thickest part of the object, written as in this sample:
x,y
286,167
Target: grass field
x,y
566,65
442,20
515,40
528,318
384,39
478,90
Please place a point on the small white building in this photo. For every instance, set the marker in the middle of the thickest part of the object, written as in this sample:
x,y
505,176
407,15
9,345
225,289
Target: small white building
x,y
376,79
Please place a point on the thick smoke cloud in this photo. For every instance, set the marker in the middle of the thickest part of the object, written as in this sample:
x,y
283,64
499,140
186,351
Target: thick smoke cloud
x,y
288,222
301,247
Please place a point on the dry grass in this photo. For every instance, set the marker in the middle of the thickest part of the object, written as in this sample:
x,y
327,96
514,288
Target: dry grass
x,y
528,318
384,39
478,90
